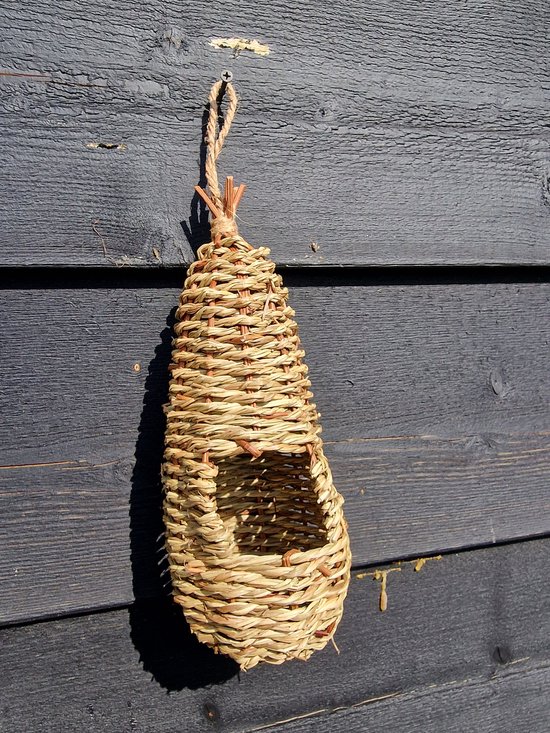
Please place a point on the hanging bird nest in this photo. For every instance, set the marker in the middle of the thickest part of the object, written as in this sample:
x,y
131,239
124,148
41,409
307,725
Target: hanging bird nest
x,y
255,533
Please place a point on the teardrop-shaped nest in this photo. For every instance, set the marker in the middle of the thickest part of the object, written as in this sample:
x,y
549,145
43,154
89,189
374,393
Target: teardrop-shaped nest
x,y
255,533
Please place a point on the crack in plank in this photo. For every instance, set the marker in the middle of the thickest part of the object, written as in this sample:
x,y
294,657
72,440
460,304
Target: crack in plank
x,y
48,464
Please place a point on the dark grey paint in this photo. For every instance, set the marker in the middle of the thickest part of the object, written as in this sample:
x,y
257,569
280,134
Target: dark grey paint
x,y
434,402
468,621
386,134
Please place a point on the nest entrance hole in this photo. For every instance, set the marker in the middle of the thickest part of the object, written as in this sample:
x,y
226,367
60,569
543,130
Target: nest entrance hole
x,y
269,504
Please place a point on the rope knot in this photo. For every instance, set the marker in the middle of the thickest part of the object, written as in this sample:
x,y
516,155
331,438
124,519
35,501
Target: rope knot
x,y
224,226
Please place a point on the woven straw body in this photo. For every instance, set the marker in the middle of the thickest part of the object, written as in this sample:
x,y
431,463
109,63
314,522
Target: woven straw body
x,y
255,535
256,538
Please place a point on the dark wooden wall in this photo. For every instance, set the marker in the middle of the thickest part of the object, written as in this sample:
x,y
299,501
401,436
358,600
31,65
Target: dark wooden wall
x,y
398,162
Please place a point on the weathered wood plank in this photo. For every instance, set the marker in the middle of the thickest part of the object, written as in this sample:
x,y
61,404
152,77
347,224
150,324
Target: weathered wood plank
x,y
512,702
435,411
472,617
433,117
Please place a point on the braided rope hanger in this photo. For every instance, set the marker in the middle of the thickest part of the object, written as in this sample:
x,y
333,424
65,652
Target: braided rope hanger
x,y
223,208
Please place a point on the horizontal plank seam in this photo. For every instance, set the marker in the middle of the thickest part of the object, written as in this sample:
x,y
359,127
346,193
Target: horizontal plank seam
x,y
64,463
434,437
360,568
52,277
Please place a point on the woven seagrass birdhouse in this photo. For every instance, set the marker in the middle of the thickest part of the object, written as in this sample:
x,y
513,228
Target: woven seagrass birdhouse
x,y
255,534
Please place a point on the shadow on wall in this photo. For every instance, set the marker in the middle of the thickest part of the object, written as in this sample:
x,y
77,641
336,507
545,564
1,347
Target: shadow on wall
x,y
197,229
167,648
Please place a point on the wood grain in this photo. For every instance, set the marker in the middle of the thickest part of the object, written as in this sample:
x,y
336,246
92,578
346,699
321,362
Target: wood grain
x,y
471,629
388,134
513,702
435,421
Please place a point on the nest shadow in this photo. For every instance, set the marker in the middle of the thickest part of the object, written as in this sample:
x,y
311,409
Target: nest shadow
x,y
167,648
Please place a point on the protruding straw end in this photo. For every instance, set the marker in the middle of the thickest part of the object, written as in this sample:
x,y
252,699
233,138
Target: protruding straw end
x,y
223,211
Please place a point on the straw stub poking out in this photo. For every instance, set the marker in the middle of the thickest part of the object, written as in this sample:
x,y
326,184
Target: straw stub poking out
x,y
255,533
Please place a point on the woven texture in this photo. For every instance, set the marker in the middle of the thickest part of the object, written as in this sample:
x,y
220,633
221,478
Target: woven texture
x,y
255,534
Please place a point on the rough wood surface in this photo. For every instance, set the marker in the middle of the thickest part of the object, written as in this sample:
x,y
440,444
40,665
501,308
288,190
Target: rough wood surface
x,y
472,628
387,134
512,702
434,402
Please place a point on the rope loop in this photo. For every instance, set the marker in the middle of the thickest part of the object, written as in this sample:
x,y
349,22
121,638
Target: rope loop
x,y
216,135
222,206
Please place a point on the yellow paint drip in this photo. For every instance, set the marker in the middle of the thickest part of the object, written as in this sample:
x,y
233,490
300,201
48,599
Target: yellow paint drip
x,y
382,577
419,564
241,44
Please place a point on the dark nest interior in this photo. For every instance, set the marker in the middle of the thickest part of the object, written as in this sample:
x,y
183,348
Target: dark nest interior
x,y
269,503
